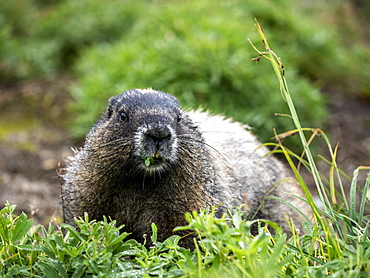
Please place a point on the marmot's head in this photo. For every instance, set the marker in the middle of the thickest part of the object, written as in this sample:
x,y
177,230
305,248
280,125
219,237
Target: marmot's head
x,y
145,130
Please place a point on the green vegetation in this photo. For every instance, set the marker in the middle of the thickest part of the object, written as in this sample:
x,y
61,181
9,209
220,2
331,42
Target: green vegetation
x,y
43,39
201,60
197,50
100,250
335,242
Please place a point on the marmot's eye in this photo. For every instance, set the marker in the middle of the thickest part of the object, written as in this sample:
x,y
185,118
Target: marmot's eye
x,y
179,117
123,117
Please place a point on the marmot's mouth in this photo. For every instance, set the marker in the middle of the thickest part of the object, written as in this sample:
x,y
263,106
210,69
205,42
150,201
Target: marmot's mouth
x,y
154,160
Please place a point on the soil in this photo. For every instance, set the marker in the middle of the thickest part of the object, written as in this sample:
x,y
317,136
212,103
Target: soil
x,y
34,142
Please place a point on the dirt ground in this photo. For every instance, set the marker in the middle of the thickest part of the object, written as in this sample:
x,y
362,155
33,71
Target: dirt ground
x,y
34,142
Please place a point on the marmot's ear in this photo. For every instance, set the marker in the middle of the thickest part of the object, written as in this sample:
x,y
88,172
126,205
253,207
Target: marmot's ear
x,y
108,114
111,107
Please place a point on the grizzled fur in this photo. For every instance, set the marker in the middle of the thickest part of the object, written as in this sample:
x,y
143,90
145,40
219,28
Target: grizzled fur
x,y
196,160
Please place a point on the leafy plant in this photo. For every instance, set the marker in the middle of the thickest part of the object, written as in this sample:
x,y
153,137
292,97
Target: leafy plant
x,y
44,39
228,247
201,60
340,231
172,46
97,249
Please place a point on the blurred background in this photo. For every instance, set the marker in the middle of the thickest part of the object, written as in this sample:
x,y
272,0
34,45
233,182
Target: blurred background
x,y
60,60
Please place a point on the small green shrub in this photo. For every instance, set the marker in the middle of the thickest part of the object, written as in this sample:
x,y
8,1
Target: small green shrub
x,y
72,26
43,39
174,47
15,19
204,61
98,249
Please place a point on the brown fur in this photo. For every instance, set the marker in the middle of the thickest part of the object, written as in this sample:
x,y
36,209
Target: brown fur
x,y
196,160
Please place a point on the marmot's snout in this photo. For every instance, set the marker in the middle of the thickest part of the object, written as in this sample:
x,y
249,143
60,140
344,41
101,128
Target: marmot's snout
x,y
156,145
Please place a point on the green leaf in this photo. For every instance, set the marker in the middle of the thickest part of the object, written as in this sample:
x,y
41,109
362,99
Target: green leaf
x,y
21,228
13,271
49,252
59,268
79,272
8,209
119,239
48,270
154,235
148,161
72,231
4,231
28,247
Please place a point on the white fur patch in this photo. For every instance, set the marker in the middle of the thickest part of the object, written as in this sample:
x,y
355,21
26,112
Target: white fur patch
x,y
147,90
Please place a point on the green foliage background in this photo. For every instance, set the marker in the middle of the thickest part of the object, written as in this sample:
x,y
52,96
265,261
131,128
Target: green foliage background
x,y
196,50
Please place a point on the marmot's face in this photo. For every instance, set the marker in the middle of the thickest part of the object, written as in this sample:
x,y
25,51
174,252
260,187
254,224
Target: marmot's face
x,y
152,127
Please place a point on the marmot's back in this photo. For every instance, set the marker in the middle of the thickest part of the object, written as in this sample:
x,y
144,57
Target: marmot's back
x,y
148,161
251,173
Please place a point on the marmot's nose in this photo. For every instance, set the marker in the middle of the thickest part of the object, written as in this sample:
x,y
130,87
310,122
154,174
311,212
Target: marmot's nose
x,y
158,135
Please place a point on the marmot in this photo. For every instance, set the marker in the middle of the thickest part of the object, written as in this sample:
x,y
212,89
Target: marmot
x,y
148,161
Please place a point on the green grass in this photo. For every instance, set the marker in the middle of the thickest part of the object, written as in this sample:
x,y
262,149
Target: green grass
x,y
340,231
334,243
